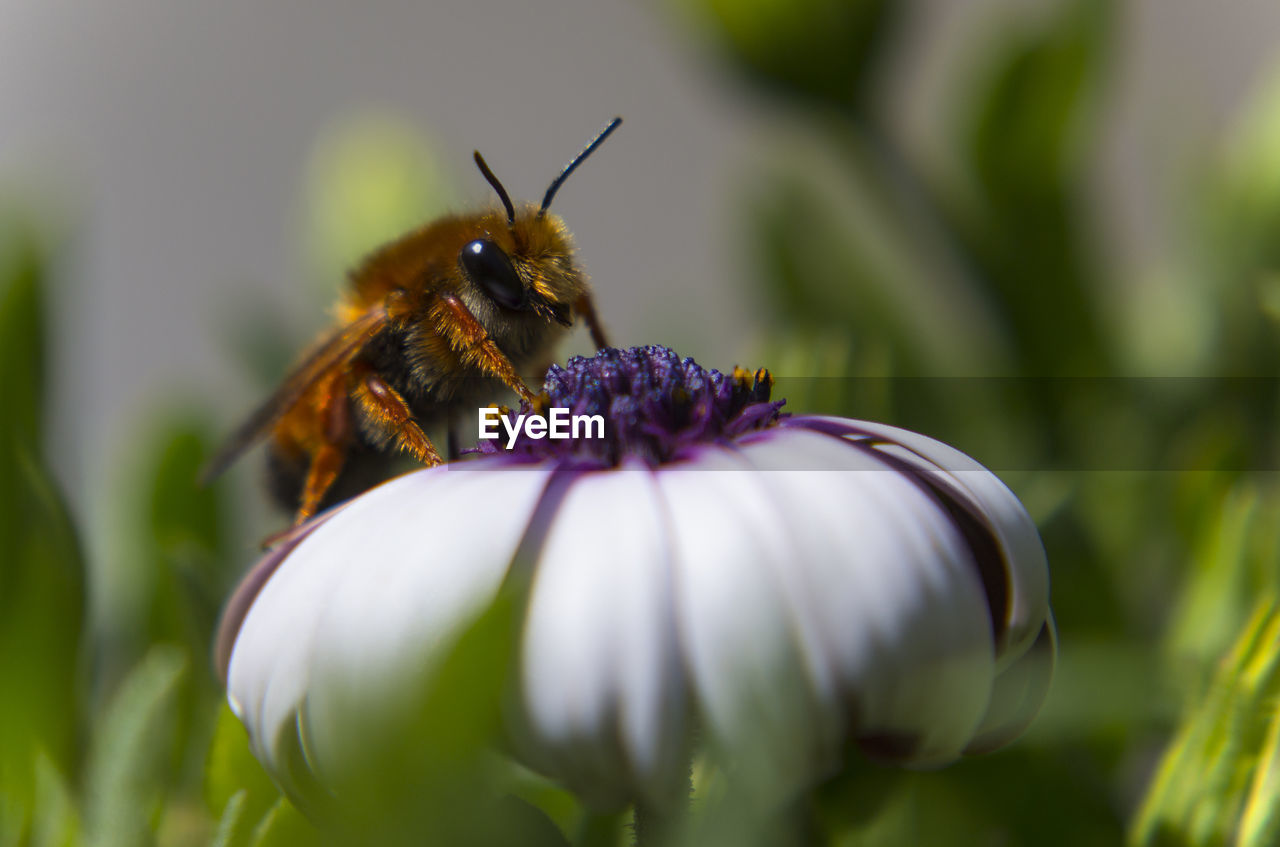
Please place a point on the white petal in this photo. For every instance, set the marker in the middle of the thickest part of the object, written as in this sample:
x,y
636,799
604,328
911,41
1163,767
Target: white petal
x,y
241,600
601,675
1018,694
382,587
268,673
1026,567
749,649
890,584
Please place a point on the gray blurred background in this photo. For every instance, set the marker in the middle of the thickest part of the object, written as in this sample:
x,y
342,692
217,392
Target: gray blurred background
x,y
177,141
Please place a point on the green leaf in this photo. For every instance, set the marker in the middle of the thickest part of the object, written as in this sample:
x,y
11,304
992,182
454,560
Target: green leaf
x,y
284,826
232,771
846,268
432,768
14,812
184,541
1031,124
1025,151
22,344
849,254
1229,243
526,824
45,815
1219,588
41,572
429,763
371,177
234,829
57,821
41,612
1224,749
800,253
599,830
818,49
1249,174
1058,798
127,773
1260,820
185,516
171,570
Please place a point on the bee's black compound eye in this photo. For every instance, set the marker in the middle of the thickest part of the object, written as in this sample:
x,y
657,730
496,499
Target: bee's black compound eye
x,y
488,267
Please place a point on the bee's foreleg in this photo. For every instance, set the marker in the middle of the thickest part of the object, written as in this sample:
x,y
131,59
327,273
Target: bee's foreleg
x,y
465,334
389,413
587,308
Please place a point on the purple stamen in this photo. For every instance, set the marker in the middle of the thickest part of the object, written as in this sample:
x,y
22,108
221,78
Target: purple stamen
x,y
655,405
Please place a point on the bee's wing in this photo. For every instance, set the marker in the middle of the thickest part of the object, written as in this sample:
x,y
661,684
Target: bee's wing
x,y
335,351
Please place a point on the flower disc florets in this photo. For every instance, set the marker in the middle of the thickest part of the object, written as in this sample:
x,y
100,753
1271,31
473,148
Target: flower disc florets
x,y
654,404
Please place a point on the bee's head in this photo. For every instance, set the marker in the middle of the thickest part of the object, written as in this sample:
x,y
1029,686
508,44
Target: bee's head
x,y
528,265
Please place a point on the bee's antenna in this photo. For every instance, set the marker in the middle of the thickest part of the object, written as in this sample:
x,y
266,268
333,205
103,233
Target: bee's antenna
x,y
497,186
569,168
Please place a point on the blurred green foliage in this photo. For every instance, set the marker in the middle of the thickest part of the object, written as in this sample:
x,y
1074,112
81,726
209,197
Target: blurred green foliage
x,y
972,300
1217,783
819,50
42,594
1154,495
369,175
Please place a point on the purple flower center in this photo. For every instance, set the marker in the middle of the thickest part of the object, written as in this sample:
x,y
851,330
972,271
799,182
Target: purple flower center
x,y
654,406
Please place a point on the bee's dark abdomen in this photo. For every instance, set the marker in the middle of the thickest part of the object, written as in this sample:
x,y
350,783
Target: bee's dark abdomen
x,y
363,468
285,474
387,355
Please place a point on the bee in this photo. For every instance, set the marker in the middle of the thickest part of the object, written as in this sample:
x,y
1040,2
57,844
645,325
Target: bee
x,y
439,319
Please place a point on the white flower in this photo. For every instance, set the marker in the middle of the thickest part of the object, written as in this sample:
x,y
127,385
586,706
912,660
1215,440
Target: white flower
x,y
774,586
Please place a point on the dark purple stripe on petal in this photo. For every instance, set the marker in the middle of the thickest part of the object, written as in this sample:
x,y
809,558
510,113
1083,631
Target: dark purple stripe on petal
x,y
829,426
544,514
988,554
889,747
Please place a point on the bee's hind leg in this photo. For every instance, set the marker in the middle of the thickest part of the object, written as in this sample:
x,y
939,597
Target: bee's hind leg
x,y
327,459
326,464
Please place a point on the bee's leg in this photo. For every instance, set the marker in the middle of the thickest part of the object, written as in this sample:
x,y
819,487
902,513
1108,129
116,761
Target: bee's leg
x,y
587,308
326,462
384,406
465,334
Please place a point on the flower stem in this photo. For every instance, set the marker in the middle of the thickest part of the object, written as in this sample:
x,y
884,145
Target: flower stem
x,y
655,826
648,826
